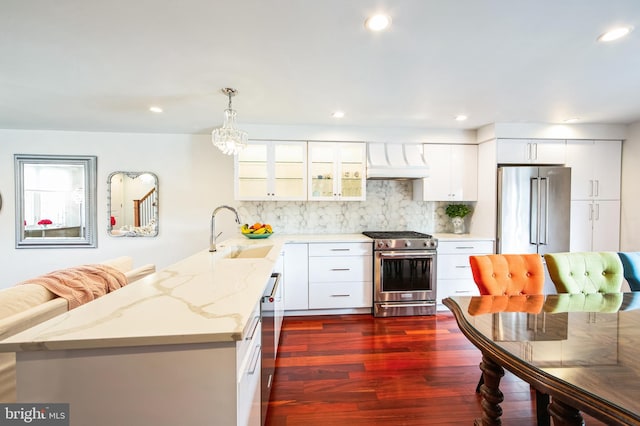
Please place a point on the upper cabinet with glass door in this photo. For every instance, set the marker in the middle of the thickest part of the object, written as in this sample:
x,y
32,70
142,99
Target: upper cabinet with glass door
x,y
337,170
271,170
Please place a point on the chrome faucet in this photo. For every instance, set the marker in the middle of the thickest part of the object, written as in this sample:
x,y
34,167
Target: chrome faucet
x,y
213,237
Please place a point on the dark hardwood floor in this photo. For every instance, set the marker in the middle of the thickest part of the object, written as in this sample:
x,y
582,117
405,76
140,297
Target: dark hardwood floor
x,y
359,370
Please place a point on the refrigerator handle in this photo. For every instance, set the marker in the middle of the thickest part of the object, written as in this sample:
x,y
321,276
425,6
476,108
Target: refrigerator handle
x,y
544,210
534,218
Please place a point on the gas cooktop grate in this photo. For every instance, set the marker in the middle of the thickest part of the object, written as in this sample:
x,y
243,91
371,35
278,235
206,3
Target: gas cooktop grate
x,y
396,234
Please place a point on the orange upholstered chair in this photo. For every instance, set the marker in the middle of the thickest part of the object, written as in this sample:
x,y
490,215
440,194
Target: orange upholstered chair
x,y
508,274
511,275
527,303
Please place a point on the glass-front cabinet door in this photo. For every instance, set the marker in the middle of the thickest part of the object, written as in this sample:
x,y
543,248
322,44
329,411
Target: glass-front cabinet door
x,y
337,170
271,170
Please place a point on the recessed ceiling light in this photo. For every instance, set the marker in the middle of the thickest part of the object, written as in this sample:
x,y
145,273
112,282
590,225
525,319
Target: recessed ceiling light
x,y
338,114
615,34
377,22
461,117
572,120
155,109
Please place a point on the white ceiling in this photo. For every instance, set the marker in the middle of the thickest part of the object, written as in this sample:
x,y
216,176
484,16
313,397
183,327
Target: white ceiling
x,y
99,65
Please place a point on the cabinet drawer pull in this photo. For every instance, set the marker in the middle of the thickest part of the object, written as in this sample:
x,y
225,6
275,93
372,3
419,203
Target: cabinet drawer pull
x,y
340,269
464,248
340,295
462,291
340,249
254,327
254,362
462,266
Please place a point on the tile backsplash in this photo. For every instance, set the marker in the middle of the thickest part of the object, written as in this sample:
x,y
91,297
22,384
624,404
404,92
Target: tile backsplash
x,y
389,207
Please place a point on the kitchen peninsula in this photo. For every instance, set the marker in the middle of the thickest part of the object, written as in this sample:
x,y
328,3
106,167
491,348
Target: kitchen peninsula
x,y
180,346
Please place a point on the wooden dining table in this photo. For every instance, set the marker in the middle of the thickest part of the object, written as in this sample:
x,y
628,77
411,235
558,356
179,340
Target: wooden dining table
x,y
581,350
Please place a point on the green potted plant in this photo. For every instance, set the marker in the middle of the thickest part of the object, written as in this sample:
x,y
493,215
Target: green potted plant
x,y
457,212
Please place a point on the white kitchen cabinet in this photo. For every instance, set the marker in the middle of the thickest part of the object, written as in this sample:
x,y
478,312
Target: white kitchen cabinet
x,y
454,277
595,194
271,170
595,225
595,169
531,151
296,277
336,171
453,174
340,275
249,401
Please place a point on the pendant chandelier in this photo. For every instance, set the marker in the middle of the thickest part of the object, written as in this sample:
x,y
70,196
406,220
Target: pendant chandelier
x,y
227,138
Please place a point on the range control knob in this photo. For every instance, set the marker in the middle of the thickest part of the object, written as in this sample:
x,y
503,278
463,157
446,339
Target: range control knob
x,y
407,243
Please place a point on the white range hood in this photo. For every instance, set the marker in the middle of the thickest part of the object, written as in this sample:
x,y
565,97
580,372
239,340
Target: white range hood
x,y
396,161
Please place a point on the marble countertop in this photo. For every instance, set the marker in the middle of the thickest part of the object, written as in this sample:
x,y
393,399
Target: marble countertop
x,y
207,297
325,238
457,237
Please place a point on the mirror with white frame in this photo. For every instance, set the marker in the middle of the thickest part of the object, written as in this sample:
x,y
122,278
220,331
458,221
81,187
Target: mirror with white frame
x,y
55,200
132,204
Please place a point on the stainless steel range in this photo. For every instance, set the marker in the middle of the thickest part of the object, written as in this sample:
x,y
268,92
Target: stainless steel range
x,y
404,273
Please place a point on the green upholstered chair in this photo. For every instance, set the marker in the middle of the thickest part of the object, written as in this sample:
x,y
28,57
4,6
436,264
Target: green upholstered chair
x,y
585,272
580,302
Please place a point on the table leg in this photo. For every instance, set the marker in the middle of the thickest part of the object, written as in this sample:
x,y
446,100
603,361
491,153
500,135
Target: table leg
x,y
542,403
491,395
564,415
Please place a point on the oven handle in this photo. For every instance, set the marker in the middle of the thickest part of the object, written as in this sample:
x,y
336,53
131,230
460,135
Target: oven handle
x,y
407,305
408,255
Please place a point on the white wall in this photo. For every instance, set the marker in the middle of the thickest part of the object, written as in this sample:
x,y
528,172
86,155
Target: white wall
x,y
630,205
193,176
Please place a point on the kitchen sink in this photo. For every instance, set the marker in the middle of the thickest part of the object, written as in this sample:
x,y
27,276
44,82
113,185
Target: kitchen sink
x,y
249,252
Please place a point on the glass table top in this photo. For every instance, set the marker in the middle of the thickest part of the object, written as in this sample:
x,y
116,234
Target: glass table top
x,y
588,343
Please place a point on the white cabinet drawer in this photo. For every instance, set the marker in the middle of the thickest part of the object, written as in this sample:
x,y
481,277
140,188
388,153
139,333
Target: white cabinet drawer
x,y
465,247
332,295
448,288
248,391
340,249
454,266
340,269
250,335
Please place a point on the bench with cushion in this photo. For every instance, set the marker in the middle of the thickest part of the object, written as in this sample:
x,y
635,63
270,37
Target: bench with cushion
x,y
25,305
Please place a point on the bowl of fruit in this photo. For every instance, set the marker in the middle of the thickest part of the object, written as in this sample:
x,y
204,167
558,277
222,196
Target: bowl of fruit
x,y
257,230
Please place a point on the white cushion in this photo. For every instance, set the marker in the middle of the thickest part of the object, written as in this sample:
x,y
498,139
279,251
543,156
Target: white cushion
x,y
141,272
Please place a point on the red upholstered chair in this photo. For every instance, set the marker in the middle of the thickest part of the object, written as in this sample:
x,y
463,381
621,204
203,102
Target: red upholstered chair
x,y
511,275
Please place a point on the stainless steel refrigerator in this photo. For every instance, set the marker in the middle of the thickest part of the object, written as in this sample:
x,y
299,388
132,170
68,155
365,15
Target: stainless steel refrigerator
x,y
534,204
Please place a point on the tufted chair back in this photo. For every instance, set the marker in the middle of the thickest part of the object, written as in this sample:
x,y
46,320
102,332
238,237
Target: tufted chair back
x,y
588,272
527,303
631,265
508,274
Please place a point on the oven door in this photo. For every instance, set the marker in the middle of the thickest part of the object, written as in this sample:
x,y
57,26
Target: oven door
x,y
405,276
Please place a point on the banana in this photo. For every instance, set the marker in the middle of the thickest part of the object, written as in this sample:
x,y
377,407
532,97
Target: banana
x,y
256,228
